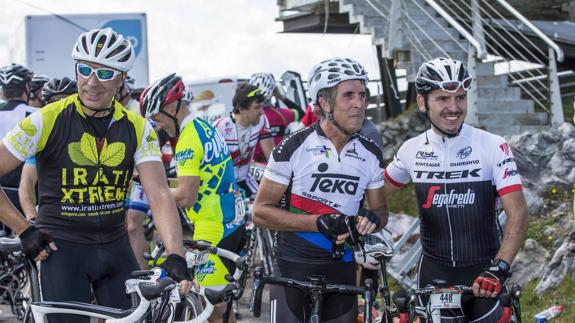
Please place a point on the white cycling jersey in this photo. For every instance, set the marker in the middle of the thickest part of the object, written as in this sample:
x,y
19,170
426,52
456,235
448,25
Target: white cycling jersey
x,y
320,181
13,112
457,181
242,150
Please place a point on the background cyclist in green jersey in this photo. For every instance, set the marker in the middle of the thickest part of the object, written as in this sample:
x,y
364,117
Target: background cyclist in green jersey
x,y
206,184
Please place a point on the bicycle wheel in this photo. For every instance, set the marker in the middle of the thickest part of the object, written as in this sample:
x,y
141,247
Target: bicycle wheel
x,y
189,308
396,317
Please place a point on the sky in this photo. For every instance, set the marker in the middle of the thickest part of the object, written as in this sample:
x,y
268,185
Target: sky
x,y
201,39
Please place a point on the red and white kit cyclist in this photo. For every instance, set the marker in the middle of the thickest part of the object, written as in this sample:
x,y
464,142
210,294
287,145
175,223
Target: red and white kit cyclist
x,y
244,129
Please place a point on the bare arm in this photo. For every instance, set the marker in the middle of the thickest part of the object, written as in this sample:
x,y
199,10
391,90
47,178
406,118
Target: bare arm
x,y
27,191
377,203
9,215
267,146
268,215
154,182
389,189
516,227
186,192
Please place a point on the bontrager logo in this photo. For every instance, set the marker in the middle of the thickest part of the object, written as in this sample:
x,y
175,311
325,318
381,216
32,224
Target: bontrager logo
x,y
451,199
465,173
334,183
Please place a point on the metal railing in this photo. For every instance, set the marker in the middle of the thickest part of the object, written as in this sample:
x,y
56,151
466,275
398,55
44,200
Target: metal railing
x,y
504,38
487,29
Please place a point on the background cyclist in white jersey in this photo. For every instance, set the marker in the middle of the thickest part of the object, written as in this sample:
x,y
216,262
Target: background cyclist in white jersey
x,y
15,81
244,129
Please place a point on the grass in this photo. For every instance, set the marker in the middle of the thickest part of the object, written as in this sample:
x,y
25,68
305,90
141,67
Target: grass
x,y
535,231
404,201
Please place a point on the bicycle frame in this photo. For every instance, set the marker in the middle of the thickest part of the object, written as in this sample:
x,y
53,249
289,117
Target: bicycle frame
x,y
151,294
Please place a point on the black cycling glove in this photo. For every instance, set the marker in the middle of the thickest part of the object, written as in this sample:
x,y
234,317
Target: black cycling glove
x,y
372,217
331,225
177,267
34,241
493,278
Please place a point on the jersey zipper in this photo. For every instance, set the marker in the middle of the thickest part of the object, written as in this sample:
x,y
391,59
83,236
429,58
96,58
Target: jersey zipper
x,y
445,160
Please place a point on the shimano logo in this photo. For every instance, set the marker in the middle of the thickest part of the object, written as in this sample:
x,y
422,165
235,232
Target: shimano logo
x,y
334,183
465,163
465,173
451,199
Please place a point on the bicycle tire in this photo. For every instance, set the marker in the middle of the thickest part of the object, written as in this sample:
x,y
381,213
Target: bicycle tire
x,y
394,317
189,308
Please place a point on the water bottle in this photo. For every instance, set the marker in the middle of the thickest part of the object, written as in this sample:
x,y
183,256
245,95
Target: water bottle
x,y
167,153
548,314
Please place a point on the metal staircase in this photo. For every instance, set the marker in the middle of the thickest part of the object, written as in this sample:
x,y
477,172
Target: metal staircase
x,y
414,31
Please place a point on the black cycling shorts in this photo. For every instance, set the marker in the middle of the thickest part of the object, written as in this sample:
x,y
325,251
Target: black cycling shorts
x,y
76,270
291,305
477,309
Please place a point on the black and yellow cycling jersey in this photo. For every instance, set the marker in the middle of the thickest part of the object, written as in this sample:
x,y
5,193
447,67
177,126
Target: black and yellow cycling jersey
x,y
83,177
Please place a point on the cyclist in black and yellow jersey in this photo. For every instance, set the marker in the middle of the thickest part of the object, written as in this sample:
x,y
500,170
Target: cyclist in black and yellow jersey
x,y
86,147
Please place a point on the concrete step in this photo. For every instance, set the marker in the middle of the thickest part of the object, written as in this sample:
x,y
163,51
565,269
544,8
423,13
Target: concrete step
x,y
499,94
492,81
502,119
485,69
436,33
485,105
515,130
447,46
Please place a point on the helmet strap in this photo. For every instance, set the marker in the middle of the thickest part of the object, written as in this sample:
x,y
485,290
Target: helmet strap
x,y
331,118
446,134
96,111
174,118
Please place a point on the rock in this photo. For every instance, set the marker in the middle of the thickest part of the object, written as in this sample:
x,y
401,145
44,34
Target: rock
x,y
529,263
535,203
562,264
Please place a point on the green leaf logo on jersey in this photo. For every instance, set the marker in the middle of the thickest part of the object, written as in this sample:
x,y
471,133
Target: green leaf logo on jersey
x,y
113,154
28,127
85,152
88,148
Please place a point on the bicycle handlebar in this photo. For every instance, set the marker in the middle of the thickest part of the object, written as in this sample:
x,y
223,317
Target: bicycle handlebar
x,y
312,284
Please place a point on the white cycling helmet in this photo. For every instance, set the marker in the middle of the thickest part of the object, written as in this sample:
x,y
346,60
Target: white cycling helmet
x,y
265,82
106,47
331,72
188,95
442,73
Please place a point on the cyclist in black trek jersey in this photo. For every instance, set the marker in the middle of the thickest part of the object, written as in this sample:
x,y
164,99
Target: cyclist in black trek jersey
x,y
458,172
320,175
86,147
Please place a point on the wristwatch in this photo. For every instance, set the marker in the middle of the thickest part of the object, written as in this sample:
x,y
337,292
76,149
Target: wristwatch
x,y
502,264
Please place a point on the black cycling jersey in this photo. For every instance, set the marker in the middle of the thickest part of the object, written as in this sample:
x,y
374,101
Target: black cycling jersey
x,y
82,178
456,183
